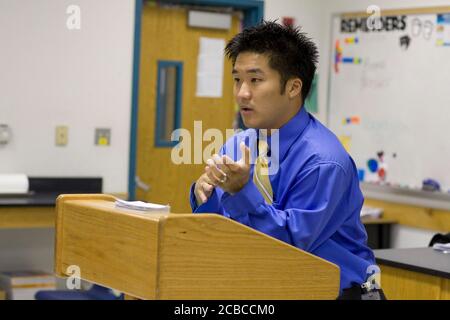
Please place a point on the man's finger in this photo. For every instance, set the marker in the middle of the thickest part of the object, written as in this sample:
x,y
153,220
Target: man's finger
x,y
206,178
217,159
219,174
205,191
210,162
219,170
230,164
213,178
207,188
201,195
245,152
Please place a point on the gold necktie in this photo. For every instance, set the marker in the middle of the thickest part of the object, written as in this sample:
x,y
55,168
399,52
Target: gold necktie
x,y
261,172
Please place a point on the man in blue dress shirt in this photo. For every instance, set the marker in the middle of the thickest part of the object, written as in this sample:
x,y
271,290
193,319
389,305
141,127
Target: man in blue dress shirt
x,y
312,198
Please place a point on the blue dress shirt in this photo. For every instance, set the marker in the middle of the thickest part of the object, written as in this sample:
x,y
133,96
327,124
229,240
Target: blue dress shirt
x,y
317,199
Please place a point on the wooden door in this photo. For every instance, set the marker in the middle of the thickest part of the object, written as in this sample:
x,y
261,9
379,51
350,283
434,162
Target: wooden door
x,y
166,36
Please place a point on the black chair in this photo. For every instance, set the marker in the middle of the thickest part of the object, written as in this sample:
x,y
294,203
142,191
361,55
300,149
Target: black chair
x,y
440,238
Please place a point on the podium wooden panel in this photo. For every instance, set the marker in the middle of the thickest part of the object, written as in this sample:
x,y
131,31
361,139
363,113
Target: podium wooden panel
x,y
182,256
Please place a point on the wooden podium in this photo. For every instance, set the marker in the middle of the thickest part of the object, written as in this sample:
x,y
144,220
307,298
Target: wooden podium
x,y
182,256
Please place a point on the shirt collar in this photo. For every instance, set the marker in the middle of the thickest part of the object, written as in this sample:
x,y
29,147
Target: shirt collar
x,y
290,131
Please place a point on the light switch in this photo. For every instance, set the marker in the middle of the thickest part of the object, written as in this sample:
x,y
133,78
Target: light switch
x,y
62,135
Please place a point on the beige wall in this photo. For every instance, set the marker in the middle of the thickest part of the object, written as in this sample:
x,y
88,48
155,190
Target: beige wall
x,y
51,76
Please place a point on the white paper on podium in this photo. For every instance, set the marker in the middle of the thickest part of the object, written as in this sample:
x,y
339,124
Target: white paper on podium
x,y
142,206
13,183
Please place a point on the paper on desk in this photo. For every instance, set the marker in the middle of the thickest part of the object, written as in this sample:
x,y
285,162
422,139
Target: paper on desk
x,y
442,247
14,183
142,206
371,212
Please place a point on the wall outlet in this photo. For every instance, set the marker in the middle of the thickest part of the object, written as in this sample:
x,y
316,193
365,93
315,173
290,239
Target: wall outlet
x,y
5,134
102,136
62,135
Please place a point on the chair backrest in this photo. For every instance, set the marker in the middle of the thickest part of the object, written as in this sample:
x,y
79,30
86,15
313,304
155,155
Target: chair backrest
x,y
440,238
101,293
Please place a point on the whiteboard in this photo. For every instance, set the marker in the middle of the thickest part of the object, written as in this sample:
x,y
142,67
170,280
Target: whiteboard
x,y
393,98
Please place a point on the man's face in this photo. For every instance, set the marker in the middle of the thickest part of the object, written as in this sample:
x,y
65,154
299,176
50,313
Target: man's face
x,y
257,92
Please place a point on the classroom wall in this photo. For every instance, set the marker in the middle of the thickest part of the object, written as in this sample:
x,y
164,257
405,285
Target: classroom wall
x,y
52,76
408,237
307,14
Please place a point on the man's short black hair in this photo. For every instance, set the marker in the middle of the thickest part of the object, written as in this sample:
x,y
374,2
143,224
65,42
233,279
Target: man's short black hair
x,y
290,51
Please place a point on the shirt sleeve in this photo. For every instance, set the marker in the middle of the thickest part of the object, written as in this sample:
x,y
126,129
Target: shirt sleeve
x,y
213,205
312,212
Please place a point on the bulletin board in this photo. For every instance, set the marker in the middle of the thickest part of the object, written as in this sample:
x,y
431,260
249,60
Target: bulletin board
x,y
389,94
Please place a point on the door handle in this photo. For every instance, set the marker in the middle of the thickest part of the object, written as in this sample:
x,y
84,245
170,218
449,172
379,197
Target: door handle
x,y
141,185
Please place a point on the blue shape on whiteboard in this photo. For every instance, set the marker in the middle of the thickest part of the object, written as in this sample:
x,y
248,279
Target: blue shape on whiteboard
x,y
373,165
443,18
361,174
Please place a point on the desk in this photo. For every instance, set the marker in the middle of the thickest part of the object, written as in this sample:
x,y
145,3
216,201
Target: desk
x,y
37,209
416,273
412,208
34,211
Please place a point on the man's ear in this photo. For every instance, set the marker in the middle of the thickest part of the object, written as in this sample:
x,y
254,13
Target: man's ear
x,y
294,87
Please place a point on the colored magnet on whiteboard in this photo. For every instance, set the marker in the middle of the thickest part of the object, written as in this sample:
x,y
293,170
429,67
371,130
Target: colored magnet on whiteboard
x,y
361,174
337,56
353,60
346,142
372,164
338,47
355,119
382,174
439,42
351,40
347,60
351,120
